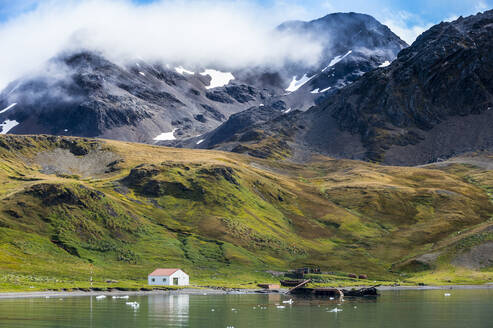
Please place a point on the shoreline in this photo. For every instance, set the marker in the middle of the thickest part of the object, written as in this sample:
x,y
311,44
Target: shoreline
x,y
210,291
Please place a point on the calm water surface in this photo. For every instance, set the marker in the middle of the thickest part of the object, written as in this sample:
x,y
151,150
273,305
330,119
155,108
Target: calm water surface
x,y
464,308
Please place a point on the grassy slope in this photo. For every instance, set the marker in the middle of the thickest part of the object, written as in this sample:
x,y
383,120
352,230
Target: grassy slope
x,y
223,217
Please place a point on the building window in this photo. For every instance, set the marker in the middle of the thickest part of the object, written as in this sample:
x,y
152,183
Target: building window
x,y
164,279
153,280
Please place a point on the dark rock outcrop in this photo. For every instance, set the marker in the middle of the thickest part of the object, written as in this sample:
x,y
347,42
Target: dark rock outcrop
x,y
398,112
433,102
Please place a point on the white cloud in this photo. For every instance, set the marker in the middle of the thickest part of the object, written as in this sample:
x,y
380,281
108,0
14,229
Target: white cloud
x,y
209,33
404,31
481,6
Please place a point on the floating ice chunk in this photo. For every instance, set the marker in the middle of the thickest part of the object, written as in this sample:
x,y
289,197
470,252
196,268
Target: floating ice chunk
x,y
385,64
281,307
166,136
182,71
336,310
100,297
447,294
296,84
290,301
218,78
134,305
7,108
124,297
8,125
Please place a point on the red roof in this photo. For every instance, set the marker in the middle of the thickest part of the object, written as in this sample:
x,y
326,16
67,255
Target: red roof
x,y
163,272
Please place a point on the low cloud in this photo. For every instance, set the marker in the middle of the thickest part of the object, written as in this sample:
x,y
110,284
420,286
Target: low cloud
x,y
400,24
214,33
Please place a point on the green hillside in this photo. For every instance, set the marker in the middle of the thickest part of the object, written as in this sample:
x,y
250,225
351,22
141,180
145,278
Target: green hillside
x,y
72,206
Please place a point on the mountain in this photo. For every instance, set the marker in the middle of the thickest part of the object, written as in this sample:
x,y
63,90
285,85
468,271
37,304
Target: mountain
x,y
352,44
433,102
75,207
85,94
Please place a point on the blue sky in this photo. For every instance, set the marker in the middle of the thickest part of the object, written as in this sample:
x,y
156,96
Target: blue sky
x,y
413,12
192,31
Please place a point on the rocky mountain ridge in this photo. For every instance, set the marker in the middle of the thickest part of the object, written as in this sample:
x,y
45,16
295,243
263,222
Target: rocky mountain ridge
x,y
85,94
433,102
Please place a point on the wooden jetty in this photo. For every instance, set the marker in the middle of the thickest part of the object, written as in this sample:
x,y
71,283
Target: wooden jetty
x,y
298,286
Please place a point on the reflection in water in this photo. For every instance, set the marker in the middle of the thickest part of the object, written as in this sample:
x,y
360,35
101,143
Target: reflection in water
x,y
274,298
403,309
172,308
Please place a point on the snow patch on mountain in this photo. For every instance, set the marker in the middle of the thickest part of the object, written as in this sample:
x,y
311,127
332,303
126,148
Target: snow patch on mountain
x,y
166,136
8,125
218,78
296,84
182,71
336,60
385,64
7,108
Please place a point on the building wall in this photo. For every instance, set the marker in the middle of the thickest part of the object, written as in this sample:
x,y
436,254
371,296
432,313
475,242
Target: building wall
x,y
159,280
183,279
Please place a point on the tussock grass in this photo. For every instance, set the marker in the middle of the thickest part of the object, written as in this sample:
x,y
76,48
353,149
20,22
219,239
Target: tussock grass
x,y
225,218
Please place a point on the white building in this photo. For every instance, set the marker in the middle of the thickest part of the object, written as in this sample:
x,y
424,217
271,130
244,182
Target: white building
x,y
168,277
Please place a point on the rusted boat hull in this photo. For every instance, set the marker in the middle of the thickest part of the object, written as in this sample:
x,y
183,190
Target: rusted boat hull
x,y
371,291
